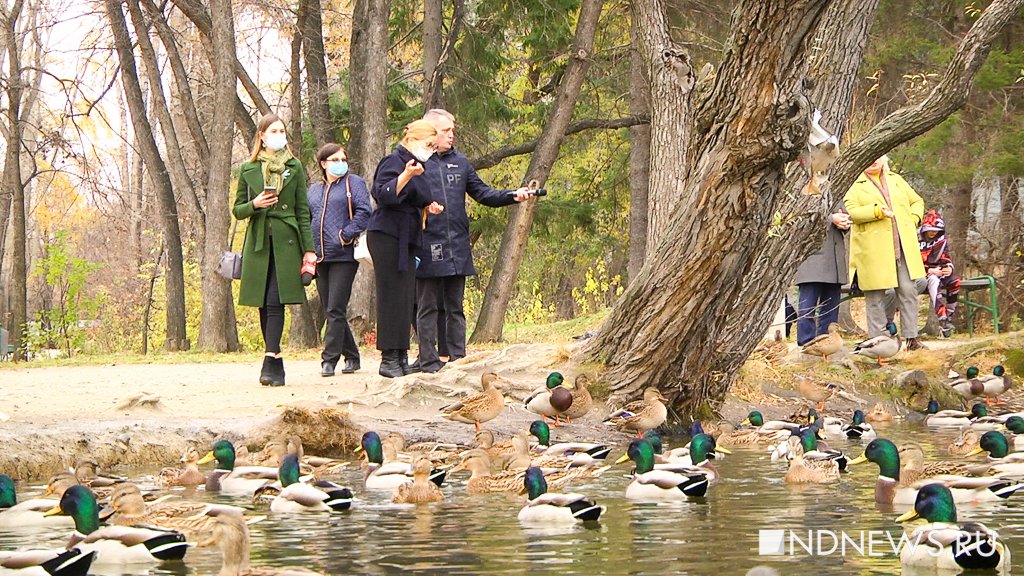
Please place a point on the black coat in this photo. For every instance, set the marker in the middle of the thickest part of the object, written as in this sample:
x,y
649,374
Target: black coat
x,y
830,263
399,215
331,224
445,250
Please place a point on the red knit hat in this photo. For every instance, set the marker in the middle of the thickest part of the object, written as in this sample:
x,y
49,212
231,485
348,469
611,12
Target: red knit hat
x,y
933,221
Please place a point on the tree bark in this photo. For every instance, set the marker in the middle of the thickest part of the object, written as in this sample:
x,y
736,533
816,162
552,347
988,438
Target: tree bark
x,y
639,158
217,329
513,242
433,20
13,185
316,73
157,170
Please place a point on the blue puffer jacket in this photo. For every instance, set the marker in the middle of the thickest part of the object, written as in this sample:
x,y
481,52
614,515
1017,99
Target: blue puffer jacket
x,y
445,248
326,224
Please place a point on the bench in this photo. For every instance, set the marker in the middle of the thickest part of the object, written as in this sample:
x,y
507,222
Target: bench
x,y
967,285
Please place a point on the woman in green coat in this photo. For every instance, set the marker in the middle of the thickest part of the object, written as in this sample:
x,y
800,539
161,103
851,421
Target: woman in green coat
x,y
884,254
271,195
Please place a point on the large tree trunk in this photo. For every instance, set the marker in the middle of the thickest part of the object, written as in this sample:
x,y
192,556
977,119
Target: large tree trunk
x,y
639,158
368,134
217,329
13,186
733,242
1011,234
433,19
513,242
312,31
157,170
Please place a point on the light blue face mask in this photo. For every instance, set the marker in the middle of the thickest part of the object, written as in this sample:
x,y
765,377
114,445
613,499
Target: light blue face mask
x,y
275,141
337,168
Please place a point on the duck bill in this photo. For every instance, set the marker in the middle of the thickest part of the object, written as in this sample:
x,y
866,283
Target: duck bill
x,y
746,422
55,511
859,459
722,450
623,458
974,452
907,516
208,458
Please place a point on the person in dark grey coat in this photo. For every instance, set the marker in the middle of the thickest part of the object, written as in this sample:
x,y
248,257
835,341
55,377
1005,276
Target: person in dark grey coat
x,y
445,255
820,279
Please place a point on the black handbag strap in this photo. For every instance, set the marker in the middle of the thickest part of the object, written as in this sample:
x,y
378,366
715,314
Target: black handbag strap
x,y
234,227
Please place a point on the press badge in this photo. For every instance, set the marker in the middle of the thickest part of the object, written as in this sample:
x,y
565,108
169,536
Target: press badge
x,y
436,253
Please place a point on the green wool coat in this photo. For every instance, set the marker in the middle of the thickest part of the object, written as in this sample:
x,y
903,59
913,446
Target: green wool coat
x,y
872,250
287,222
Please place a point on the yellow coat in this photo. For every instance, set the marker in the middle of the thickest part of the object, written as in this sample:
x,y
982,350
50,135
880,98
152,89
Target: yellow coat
x,y
872,254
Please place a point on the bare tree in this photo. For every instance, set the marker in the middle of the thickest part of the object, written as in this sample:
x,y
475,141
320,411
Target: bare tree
x,y
12,182
312,32
639,158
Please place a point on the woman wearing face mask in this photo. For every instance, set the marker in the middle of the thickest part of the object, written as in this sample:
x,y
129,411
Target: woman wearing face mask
x,y
271,195
403,204
340,208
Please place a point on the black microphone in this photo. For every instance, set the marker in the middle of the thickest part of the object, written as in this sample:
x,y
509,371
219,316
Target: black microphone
x,y
536,192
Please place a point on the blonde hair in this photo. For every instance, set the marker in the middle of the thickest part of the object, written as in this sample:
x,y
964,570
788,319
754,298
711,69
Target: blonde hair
x,y
418,130
435,114
265,121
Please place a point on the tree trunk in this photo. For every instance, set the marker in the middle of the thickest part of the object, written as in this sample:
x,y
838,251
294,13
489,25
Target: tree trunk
x,y
513,242
742,228
316,72
13,186
217,331
368,135
433,20
639,158
157,170
958,224
1011,297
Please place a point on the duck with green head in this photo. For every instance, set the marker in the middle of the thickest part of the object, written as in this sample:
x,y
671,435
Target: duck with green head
x,y
889,489
946,544
858,429
234,480
14,514
297,496
757,420
584,452
117,545
550,400
994,384
1015,425
652,484
546,508
381,475
881,347
977,418
72,562
1001,461
970,387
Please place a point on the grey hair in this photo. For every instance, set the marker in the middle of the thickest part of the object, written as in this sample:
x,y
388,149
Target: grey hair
x,y
435,114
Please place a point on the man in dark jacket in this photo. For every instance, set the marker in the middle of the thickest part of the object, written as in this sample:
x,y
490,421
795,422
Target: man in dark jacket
x,y
820,279
445,255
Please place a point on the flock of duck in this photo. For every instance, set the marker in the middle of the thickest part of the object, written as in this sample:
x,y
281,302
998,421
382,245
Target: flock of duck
x,y
113,521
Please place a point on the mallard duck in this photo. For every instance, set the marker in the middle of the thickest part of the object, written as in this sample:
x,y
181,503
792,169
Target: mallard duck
x,y
582,453
977,418
127,507
818,392
231,535
825,345
756,419
965,442
582,401
804,469
481,480
72,562
547,508
879,413
701,449
116,544
858,428
499,453
731,436
478,408
995,384
14,514
915,467
889,489
296,496
945,544
385,473
438,453
651,484
641,415
234,480
804,444
87,473
421,490
551,399
186,475
1000,461
773,350
880,347
1015,425
970,387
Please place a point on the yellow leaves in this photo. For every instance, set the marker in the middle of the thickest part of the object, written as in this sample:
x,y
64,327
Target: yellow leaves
x,y
874,82
919,82
972,10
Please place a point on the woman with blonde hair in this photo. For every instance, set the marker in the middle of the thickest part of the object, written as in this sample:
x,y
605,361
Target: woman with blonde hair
x,y
394,233
884,253
271,195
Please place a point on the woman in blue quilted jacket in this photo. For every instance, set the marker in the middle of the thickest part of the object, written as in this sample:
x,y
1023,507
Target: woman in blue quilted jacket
x,y
339,209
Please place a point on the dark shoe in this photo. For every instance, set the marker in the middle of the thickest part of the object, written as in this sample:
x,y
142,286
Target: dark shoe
x,y
429,368
946,327
327,369
350,366
915,344
277,375
403,360
389,364
267,372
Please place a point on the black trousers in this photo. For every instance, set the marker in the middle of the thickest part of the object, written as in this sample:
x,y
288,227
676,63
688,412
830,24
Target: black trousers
x,y
396,291
272,311
450,290
334,284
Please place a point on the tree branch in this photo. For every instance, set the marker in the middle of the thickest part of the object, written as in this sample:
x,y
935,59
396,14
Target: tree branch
x,y
492,158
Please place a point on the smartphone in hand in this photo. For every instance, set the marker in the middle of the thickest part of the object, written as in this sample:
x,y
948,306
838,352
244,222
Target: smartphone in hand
x,y
270,191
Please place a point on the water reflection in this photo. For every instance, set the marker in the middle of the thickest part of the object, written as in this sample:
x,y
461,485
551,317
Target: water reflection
x,y
473,535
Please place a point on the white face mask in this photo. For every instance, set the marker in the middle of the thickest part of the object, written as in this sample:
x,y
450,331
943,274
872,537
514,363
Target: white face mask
x,y
275,141
421,153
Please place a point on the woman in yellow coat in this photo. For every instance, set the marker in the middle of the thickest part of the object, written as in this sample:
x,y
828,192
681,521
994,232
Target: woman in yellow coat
x,y
883,246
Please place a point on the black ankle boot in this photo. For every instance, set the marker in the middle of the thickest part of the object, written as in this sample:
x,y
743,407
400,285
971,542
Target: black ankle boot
x,y
390,366
267,372
403,361
278,376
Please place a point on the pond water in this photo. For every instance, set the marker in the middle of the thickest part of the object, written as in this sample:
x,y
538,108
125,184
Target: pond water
x,y
716,534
